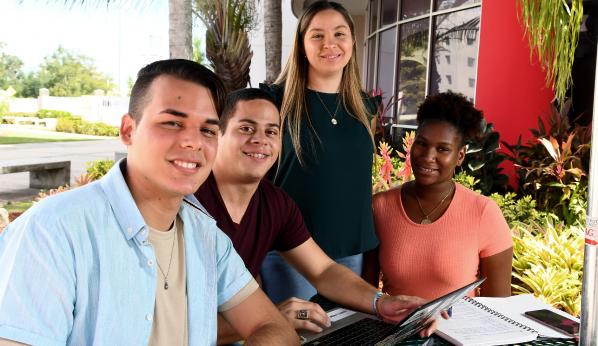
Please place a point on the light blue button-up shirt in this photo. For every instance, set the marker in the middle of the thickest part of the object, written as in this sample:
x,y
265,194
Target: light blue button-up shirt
x,y
75,270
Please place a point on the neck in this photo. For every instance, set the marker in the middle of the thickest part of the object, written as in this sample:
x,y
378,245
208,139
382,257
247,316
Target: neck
x,y
324,83
432,192
158,210
235,193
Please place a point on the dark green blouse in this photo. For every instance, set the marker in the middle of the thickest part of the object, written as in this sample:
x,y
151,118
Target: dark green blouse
x,y
334,190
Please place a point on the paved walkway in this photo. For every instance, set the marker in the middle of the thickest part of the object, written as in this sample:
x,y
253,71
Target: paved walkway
x,y
15,187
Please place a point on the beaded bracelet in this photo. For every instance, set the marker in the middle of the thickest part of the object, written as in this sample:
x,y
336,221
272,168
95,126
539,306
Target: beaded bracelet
x,y
376,298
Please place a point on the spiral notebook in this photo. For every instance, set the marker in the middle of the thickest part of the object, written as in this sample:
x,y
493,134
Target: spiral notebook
x,y
475,324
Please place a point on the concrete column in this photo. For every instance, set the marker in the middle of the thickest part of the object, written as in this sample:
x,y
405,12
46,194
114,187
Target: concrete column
x,y
98,92
43,98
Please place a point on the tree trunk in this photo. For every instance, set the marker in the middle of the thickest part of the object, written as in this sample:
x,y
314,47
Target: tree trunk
x,y
273,37
180,31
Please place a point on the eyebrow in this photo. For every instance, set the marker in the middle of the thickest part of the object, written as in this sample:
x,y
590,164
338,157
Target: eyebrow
x,y
184,115
338,27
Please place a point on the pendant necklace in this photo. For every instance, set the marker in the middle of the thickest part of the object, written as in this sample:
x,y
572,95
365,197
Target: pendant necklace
x,y
333,121
169,263
426,220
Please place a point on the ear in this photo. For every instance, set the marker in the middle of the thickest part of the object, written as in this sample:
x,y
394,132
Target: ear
x,y
127,128
461,156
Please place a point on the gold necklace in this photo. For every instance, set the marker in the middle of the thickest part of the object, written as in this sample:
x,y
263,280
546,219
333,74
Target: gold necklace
x,y
427,221
169,263
334,122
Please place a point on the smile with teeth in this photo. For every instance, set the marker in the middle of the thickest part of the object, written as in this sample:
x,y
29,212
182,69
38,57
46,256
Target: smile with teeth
x,y
426,170
185,164
331,56
258,156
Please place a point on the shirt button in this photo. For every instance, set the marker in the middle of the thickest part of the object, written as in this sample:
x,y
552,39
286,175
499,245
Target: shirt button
x,y
129,229
148,317
150,263
143,231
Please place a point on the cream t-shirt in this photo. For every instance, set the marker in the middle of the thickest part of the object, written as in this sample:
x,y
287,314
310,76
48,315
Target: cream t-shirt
x,y
170,312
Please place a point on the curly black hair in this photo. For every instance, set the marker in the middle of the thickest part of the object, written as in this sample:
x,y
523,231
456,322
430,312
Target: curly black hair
x,y
454,109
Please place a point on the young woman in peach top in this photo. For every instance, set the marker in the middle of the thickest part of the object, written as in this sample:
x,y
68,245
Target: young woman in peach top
x,y
436,235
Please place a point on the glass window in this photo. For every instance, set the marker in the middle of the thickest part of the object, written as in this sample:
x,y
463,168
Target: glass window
x,y
371,62
449,80
448,59
470,62
389,12
373,16
446,4
455,27
412,70
386,64
472,82
414,8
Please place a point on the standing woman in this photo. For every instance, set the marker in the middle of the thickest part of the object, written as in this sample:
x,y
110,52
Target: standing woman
x,y
327,152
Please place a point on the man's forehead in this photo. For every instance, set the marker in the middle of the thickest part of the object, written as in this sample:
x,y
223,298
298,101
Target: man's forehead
x,y
256,109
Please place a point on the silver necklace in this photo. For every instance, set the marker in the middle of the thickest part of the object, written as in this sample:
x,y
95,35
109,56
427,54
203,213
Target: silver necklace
x,y
426,220
334,122
169,263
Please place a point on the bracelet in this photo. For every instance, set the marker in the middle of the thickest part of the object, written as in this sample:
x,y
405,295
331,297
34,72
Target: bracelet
x,y
376,298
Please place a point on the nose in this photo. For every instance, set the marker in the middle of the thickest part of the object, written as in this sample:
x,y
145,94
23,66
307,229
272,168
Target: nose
x,y
429,154
258,138
192,139
330,42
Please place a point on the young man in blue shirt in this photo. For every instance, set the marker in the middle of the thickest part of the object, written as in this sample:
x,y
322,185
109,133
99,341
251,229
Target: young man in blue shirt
x,y
132,259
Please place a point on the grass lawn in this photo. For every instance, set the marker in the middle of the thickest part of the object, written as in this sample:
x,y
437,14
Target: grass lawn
x,y
13,137
18,207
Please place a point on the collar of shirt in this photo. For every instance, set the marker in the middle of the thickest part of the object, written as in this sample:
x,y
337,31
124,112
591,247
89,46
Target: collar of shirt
x,y
125,209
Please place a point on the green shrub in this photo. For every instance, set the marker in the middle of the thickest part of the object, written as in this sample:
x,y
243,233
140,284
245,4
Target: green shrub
x,y
467,180
549,264
75,125
98,168
519,212
49,113
22,114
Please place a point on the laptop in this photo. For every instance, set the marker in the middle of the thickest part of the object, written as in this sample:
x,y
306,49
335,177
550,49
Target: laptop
x,y
350,327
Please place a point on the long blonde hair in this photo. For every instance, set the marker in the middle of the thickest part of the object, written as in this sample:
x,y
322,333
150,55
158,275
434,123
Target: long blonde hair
x,y
294,76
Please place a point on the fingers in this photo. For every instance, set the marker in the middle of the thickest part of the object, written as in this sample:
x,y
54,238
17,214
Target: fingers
x,y
291,306
445,315
429,330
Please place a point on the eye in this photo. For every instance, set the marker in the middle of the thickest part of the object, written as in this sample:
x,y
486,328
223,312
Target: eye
x,y
208,132
171,123
317,36
272,132
246,129
341,34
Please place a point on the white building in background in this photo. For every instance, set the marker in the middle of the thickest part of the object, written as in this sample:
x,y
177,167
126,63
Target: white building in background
x,y
257,71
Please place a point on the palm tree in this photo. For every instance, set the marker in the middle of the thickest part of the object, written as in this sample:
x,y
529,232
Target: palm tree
x,y
180,21
273,38
228,23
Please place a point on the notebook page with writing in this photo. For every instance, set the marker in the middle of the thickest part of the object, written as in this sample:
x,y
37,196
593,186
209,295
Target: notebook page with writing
x,y
473,325
514,307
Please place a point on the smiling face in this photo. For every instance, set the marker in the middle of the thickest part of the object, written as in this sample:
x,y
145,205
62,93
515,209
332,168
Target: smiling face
x,y
435,153
249,146
328,43
172,148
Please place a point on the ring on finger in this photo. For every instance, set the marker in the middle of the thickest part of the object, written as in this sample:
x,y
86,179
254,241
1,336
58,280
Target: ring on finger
x,y
302,314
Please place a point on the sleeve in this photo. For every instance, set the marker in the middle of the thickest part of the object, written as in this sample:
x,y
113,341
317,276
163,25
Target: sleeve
x,y
231,271
494,232
37,283
293,232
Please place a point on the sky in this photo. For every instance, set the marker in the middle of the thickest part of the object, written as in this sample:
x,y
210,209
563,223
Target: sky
x,y
33,29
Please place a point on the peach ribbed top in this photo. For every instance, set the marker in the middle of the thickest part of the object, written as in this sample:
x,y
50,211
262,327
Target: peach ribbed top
x,y
432,260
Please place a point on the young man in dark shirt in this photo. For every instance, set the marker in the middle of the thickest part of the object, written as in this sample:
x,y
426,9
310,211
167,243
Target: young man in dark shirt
x,y
259,217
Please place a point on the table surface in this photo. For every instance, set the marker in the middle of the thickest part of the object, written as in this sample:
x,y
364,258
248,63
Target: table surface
x,y
438,341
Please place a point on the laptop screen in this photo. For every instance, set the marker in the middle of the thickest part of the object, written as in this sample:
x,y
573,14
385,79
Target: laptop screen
x,y
419,318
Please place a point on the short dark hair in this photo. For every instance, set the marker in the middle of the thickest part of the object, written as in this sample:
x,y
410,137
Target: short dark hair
x,y
182,69
233,98
454,109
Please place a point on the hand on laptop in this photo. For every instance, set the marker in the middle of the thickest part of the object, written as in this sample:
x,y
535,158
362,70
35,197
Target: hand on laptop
x,y
290,310
395,308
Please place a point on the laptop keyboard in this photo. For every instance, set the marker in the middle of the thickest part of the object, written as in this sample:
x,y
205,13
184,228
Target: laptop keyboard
x,y
358,333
